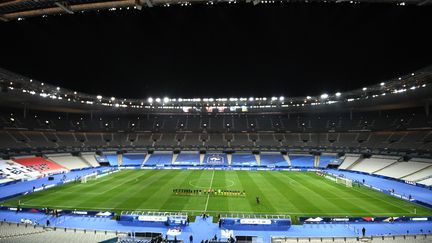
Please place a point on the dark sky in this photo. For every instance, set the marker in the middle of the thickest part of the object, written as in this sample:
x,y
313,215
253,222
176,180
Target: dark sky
x,y
221,50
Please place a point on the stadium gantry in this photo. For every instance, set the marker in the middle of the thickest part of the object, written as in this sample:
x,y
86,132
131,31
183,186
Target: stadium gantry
x,y
21,9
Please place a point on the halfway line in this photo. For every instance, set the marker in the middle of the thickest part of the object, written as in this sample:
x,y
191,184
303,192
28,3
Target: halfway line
x,y
208,195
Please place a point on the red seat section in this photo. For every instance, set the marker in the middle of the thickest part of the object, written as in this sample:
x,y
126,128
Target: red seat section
x,y
42,165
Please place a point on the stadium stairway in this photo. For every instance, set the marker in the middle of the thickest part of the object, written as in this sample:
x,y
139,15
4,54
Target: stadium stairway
x,y
358,161
286,157
385,167
202,158
90,159
86,161
145,159
419,171
174,158
348,161
258,159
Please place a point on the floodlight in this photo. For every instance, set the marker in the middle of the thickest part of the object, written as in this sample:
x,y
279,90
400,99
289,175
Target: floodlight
x,y
99,97
324,96
338,94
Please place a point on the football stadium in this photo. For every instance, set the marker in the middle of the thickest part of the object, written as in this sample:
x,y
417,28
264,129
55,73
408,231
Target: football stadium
x,y
148,121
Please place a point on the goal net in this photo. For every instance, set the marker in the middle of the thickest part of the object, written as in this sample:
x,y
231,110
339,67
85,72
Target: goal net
x,y
338,179
86,178
345,181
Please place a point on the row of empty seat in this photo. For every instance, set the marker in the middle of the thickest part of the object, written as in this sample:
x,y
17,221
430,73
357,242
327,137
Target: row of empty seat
x,y
419,140
377,239
393,167
40,164
68,161
387,120
373,164
166,158
16,233
31,167
12,171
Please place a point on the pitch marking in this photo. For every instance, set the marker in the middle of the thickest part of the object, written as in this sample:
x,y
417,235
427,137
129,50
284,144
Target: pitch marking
x,y
208,196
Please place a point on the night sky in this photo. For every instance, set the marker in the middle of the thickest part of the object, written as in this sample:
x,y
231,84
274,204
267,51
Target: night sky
x,y
221,50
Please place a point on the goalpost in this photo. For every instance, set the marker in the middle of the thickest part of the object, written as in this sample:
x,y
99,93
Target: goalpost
x,y
338,179
88,177
345,181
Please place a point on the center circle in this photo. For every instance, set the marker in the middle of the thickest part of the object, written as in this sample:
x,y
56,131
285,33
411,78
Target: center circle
x,y
205,183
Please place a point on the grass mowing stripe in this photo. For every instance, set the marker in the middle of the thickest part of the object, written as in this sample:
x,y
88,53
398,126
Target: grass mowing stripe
x,y
256,187
144,191
275,193
249,204
231,181
388,203
73,187
276,181
386,199
365,199
182,202
321,188
316,194
294,193
221,183
117,192
157,190
300,199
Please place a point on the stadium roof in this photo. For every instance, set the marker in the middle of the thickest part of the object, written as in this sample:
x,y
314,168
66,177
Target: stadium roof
x,y
20,9
410,90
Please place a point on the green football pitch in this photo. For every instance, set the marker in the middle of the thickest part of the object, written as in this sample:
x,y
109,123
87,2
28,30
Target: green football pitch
x,y
292,193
